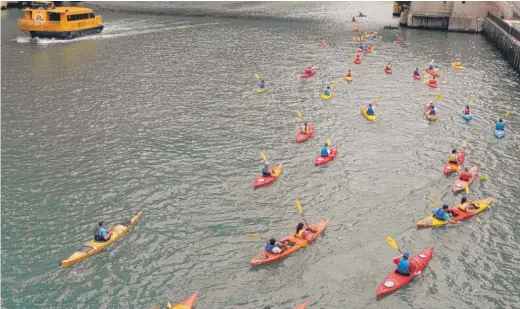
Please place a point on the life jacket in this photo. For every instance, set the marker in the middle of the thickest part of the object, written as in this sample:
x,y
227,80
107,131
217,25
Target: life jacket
x,y
324,151
326,92
300,233
269,247
416,73
438,213
453,158
433,82
306,131
403,266
432,111
97,237
430,68
466,111
349,74
500,126
261,85
465,176
308,71
370,110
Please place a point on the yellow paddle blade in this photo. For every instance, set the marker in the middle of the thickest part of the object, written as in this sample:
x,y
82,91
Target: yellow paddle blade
x,y
464,143
508,113
478,221
251,235
434,202
299,206
378,98
467,189
298,114
444,82
262,155
350,54
257,76
328,141
333,84
438,97
482,178
471,101
392,242
431,62
169,306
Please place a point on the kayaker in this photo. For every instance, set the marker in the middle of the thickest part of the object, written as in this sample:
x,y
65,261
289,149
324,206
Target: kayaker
x,y
267,171
303,232
430,67
442,213
433,81
405,267
457,62
261,84
465,175
308,70
370,47
466,111
349,74
305,128
370,110
353,19
453,157
361,46
327,91
399,39
101,234
275,247
500,125
388,67
325,151
365,48
467,206
416,72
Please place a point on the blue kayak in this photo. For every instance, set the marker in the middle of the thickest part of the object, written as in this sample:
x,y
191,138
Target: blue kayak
x,y
466,117
500,133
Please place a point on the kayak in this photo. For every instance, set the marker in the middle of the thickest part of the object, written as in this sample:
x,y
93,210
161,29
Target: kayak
x,y
302,137
417,76
458,214
389,72
357,60
349,78
261,181
322,160
432,73
450,167
427,115
457,67
372,118
399,41
395,281
188,303
466,117
265,257
326,97
500,133
433,85
356,29
460,184
302,306
361,50
261,90
306,75
92,247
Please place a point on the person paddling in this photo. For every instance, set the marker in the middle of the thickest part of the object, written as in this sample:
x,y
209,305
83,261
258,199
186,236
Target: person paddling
x,y
275,247
101,233
466,111
303,232
325,151
465,175
308,70
370,110
267,171
500,125
467,206
453,157
326,92
442,213
349,74
405,267
305,128
261,84
416,72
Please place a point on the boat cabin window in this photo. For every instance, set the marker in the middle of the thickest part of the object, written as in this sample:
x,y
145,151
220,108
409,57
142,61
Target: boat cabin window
x,y
54,16
80,16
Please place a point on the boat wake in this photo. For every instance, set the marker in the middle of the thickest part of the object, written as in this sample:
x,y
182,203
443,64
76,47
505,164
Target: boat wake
x,y
118,30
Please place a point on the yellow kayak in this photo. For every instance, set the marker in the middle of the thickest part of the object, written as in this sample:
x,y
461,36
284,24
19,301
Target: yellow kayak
x,y
348,78
93,247
372,118
326,97
261,90
459,210
457,67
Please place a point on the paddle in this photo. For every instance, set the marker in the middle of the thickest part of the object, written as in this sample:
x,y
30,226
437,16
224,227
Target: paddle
x,y
507,114
471,101
299,114
328,141
378,99
393,244
257,76
262,155
439,97
434,202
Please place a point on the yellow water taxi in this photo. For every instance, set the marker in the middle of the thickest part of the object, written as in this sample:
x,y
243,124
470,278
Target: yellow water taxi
x,y
44,20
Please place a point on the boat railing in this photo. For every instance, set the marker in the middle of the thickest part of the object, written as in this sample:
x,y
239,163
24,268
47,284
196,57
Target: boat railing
x,y
30,22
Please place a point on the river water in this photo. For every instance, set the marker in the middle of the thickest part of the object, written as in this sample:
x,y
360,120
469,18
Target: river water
x,y
158,114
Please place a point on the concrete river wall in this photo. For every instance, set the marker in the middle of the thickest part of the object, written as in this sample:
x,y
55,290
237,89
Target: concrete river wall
x,y
505,38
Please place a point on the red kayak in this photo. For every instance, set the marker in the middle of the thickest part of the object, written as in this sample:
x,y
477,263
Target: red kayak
x,y
306,75
417,76
357,60
395,281
399,41
389,72
322,160
261,181
302,306
302,137
450,167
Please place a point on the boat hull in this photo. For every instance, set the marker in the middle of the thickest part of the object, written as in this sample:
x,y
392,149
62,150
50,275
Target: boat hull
x,y
65,35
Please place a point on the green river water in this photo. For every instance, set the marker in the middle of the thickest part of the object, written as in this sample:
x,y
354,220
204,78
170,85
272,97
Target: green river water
x,y
158,113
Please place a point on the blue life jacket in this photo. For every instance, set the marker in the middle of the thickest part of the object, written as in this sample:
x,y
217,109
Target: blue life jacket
x,y
370,111
430,68
269,247
500,126
324,152
432,111
361,46
261,85
416,72
326,92
264,171
403,266
439,214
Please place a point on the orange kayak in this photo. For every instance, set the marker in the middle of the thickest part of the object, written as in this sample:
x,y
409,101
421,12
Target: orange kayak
x,y
188,303
461,184
302,306
295,244
427,113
